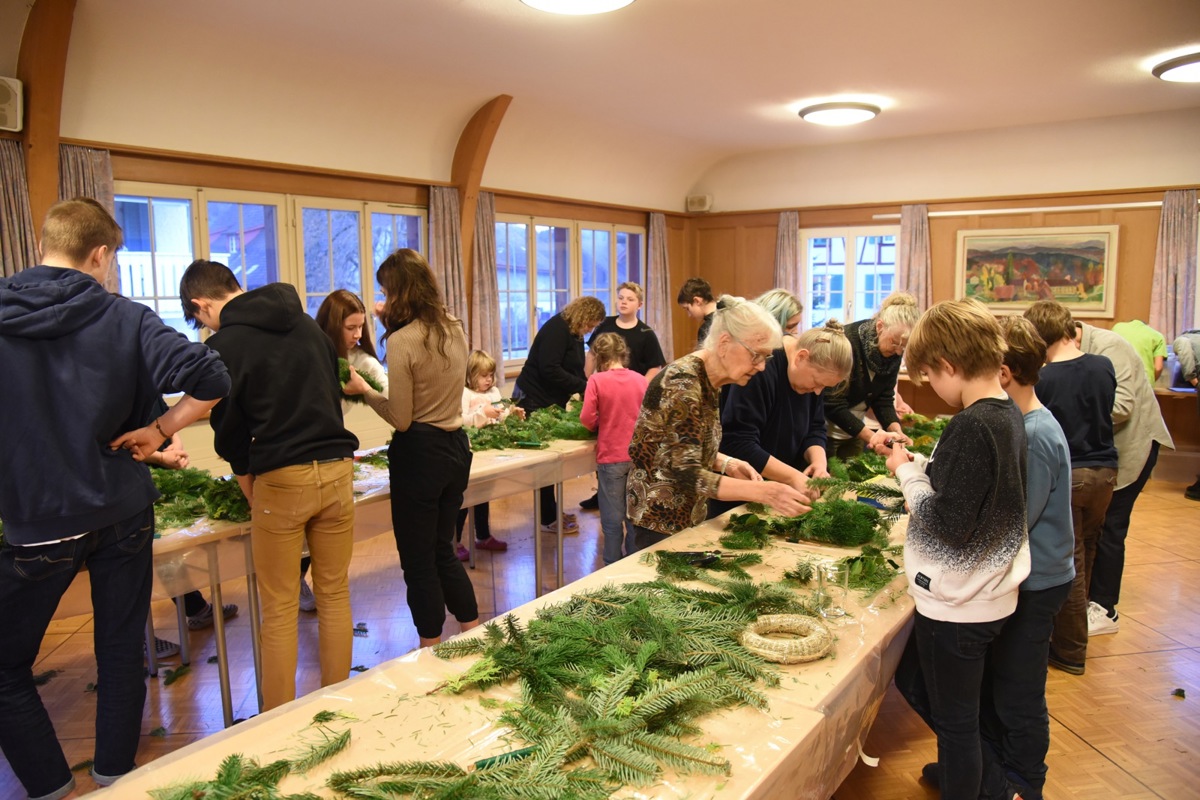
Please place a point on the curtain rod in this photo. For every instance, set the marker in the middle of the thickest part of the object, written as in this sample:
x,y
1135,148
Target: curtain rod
x,y
987,212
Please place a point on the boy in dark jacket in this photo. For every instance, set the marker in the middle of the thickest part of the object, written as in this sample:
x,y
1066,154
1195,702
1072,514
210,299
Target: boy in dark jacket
x,y
281,431
82,366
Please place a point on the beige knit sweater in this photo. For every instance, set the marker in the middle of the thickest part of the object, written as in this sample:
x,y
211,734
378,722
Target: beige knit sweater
x,y
423,385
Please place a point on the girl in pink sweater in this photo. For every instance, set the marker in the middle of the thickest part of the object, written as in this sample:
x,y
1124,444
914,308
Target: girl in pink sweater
x,y
610,405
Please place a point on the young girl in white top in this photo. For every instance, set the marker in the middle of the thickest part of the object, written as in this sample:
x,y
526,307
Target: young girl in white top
x,y
481,406
344,319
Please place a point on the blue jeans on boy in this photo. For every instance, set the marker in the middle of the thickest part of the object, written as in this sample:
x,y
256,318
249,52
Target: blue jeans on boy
x,y
616,526
32,581
941,676
1014,721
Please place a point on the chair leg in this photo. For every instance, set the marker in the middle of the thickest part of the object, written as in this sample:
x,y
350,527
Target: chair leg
x,y
151,647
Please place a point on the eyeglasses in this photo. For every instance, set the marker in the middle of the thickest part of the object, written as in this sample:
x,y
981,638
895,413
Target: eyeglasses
x,y
756,357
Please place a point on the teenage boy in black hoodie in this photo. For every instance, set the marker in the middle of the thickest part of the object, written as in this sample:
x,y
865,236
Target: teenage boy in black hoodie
x,y
82,365
281,431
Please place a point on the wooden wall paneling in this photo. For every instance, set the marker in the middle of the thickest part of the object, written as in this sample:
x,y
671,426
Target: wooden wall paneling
x,y
42,68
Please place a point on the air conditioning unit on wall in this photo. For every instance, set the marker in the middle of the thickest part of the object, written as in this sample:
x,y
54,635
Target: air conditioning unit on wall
x,y
699,203
11,105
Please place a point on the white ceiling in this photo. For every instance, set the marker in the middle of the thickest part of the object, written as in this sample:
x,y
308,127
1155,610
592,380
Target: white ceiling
x,y
717,78
730,74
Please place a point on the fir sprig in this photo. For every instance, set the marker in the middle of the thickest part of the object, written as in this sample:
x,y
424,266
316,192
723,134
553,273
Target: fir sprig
x,y
536,430
344,377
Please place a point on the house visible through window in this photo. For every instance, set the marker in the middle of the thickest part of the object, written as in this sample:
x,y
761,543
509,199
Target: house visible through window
x,y
848,272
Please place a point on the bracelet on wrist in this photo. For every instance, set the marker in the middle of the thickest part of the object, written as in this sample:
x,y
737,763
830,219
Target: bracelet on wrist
x,y
725,466
158,427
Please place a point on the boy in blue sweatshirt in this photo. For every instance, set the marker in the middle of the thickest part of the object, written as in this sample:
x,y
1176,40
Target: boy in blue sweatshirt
x,y
967,548
84,369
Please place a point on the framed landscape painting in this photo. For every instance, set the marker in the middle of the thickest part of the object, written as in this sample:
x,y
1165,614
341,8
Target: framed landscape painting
x,y
1009,270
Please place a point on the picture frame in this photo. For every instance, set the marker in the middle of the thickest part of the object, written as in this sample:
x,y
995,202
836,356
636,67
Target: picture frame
x,y
1010,269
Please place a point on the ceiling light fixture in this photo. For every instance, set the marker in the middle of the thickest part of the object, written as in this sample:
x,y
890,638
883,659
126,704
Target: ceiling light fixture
x,y
1184,69
839,113
577,7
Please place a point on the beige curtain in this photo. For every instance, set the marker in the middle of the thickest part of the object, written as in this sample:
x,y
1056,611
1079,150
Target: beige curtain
x,y
1173,292
485,294
658,288
445,248
18,245
787,254
913,268
84,172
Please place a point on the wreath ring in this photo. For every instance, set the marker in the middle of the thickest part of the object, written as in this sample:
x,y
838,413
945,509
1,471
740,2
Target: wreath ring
x,y
813,642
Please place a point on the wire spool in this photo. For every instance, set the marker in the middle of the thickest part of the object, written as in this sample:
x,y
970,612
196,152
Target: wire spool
x,y
812,639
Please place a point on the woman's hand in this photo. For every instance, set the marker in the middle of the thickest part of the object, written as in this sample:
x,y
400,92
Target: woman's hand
x,y
817,470
356,384
882,441
784,499
736,468
898,457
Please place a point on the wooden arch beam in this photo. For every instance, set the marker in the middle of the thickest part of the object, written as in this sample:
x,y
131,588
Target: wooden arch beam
x,y
470,157
42,68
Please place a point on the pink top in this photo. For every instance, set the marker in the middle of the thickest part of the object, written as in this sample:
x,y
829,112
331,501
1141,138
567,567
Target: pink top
x,y
611,402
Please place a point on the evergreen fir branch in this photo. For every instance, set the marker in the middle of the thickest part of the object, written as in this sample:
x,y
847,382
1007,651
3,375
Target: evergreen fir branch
x,y
747,538
223,499
344,780
377,459
802,573
321,752
344,378
271,774
626,764
683,758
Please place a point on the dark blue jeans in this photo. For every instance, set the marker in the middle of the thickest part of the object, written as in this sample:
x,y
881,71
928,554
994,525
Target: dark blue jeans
x,y
32,581
941,676
1109,566
429,469
1013,717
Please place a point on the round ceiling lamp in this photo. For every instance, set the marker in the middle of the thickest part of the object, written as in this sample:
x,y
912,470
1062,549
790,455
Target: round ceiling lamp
x,y
839,113
1184,69
577,7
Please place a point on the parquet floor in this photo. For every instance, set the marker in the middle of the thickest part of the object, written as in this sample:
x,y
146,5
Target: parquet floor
x,y
1116,731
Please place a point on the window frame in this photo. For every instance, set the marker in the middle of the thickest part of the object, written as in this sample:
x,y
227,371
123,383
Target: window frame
x,y
851,274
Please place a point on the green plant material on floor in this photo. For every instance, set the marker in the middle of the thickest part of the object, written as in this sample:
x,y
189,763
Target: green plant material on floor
x,y
42,678
82,766
358,668
360,630
344,377
172,675
539,428
159,732
1180,693
212,660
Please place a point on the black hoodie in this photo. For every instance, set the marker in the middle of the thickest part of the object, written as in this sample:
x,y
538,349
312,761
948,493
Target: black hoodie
x,y
81,367
285,405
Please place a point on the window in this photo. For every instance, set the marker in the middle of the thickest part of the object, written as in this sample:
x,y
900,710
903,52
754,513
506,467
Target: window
x,y
844,288
159,245
167,227
542,264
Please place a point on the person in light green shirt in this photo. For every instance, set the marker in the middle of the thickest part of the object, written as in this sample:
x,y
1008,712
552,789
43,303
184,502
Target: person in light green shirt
x,y
1150,345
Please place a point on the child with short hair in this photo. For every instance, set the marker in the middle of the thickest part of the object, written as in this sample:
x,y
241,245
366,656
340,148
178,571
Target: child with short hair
x,y
481,405
1014,721
967,548
611,404
1079,389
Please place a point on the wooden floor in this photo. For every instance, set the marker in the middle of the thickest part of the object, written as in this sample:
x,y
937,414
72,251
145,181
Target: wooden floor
x,y
1115,732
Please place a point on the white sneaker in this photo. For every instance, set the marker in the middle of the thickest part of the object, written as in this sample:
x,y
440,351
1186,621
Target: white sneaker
x,y
1099,622
307,601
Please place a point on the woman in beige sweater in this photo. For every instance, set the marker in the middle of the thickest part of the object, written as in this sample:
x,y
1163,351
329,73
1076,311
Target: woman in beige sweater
x,y
429,458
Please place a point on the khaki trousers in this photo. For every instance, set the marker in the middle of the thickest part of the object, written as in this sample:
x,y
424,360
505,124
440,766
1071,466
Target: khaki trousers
x,y
313,501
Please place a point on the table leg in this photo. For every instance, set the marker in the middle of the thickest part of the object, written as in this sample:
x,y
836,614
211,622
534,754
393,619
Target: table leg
x,y
214,577
537,543
185,645
558,496
255,620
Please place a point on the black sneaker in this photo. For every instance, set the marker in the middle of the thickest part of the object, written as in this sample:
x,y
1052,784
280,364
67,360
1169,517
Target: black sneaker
x,y
593,502
929,774
1069,667
1191,493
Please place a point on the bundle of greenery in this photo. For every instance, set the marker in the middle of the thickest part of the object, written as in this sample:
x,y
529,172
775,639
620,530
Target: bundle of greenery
x,y
536,430
924,432
189,494
832,520
344,377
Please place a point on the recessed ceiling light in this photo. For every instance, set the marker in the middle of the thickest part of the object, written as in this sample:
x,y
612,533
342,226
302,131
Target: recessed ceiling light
x,y
840,113
577,7
1184,69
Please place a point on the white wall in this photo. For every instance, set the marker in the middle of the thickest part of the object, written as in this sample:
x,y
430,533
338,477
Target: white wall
x,y
1091,155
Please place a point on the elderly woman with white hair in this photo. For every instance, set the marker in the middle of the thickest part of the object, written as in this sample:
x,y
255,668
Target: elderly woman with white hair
x,y
677,463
